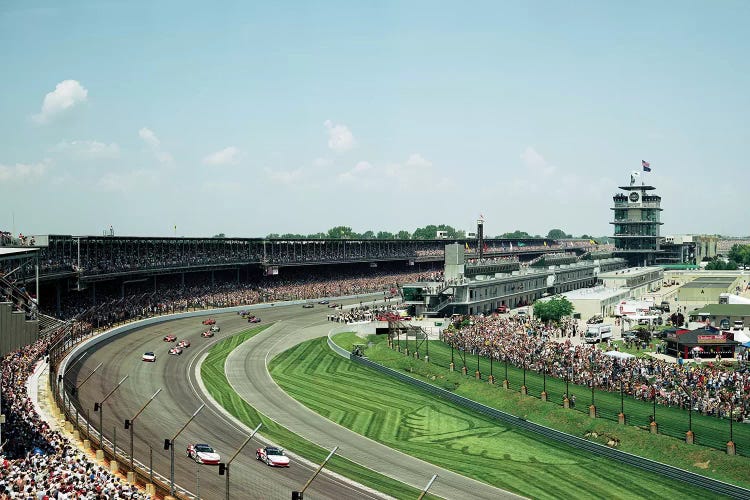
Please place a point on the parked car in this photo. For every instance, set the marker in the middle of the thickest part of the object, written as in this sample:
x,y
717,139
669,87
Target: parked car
x,y
595,320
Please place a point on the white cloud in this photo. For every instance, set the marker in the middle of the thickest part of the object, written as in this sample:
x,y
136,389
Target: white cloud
x,y
416,161
227,156
136,180
89,149
23,171
67,94
284,176
149,137
321,162
356,172
340,138
536,162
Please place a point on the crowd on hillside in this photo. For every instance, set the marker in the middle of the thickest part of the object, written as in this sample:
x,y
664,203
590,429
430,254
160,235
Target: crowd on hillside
x,y
715,389
37,462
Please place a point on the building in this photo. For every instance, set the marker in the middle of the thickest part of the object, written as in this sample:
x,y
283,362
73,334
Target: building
x,y
683,249
708,289
601,300
706,342
637,217
723,315
465,291
639,280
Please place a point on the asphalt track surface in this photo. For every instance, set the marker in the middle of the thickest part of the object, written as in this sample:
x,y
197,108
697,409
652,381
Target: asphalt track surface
x,y
247,372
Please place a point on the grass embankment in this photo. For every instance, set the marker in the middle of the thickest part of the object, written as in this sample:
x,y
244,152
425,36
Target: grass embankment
x,y
674,422
445,434
212,373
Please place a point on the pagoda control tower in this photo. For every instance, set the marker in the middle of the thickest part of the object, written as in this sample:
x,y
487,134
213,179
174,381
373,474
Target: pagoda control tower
x,y
637,220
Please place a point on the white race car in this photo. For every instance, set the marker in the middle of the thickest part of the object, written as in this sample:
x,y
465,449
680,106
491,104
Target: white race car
x,y
272,456
149,356
203,454
175,351
183,343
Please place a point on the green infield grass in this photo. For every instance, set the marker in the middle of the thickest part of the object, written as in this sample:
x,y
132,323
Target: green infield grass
x,y
212,373
632,438
415,422
709,431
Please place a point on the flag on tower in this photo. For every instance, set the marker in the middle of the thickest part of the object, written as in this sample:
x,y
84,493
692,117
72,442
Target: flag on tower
x,y
646,166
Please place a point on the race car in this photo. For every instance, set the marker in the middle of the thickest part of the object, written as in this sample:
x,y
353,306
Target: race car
x,y
170,338
308,306
207,334
243,313
333,305
209,321
253,319
203,454
323,302
149,356
183,343
272,456
176,351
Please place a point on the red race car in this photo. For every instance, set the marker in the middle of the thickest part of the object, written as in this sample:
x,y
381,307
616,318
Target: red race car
x,y
183,343
209,321
253,319
207,334
170,338
272,456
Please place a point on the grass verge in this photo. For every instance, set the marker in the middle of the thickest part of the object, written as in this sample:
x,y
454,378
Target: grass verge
x,y
405,418
212,373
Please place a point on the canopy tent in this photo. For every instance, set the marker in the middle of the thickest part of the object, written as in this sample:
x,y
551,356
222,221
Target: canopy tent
x,y
619,355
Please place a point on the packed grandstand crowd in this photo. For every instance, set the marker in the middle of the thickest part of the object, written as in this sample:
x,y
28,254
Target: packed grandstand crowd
x,y
540,347
38,462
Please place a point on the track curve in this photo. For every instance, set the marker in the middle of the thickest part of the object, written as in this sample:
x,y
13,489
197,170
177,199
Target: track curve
x,y
247,372
179,399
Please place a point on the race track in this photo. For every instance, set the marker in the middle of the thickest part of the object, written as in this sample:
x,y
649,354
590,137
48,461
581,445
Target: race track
x,y
246,370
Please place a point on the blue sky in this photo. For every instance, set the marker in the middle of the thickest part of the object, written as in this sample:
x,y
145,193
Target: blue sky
x,y
257,117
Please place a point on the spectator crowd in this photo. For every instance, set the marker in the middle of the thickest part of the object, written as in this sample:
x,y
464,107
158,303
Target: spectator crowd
x,y
714,389
37,462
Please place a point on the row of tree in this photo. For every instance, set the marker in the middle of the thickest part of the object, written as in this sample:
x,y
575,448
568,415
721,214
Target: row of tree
x,y
428,232
738,256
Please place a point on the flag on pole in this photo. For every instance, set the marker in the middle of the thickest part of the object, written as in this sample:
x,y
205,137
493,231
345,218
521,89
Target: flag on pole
x,y
466,245
646,166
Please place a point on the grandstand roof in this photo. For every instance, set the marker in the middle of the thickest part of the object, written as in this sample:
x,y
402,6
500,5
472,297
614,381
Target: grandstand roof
x,y
16,251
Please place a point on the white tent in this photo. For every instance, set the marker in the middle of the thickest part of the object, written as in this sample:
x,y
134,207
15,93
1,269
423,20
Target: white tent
x,y
741,337
619,355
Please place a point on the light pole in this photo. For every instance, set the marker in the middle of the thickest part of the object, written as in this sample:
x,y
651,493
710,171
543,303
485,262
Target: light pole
x,y
100,408
169,445
74,390
224,468
129,424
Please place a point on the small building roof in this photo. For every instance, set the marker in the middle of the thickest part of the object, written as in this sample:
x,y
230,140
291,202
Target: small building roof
x,y
724,310
631,271
707,284
596,293
704,336
15,251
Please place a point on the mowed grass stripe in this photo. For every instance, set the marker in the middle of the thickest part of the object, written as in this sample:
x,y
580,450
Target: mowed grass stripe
x,y
417,423
212,373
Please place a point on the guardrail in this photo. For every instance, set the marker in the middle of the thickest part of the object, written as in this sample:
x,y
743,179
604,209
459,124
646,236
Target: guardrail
x,y
672,472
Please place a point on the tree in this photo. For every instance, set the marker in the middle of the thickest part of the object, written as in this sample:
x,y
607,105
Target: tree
x,y
317,236
557,234
291,236
553,309
385,235
403,235
220,235
273,236
740,254
516,234
368,235
340,233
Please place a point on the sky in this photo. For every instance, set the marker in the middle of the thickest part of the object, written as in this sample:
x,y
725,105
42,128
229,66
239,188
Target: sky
x,y
252,118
